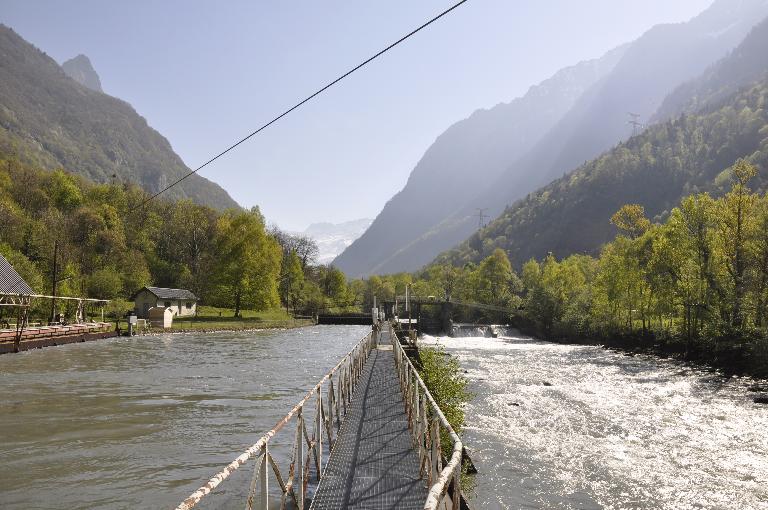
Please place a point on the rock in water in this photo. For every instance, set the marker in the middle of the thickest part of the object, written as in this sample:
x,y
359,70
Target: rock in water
x,y
81,70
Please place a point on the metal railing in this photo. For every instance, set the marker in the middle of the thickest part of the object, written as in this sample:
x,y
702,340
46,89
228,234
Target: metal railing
x,y
307,451
427,422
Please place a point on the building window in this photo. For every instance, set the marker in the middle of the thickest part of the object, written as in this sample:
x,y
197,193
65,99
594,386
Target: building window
x,y
189,305
167,304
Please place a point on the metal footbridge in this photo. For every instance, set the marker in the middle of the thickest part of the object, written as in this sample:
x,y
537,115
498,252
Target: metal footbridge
x,y
390,445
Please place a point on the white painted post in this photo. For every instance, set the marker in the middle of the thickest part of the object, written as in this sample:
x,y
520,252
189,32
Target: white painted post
x,y
407,302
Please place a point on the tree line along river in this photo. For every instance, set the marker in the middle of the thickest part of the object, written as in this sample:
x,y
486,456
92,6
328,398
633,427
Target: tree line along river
x,y
142,422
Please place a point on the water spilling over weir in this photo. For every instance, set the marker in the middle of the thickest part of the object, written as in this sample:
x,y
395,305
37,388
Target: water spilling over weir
x,y
562,426
481,330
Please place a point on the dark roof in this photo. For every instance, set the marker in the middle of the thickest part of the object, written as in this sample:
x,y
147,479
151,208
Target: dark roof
x,y
163,293
10,281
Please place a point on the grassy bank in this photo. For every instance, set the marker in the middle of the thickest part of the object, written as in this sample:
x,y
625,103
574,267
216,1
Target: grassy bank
x,y
210,318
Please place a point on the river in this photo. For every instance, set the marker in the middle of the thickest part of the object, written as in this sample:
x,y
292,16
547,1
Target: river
x,y
142,422
564,426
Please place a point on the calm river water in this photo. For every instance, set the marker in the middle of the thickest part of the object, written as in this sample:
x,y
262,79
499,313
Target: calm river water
x,y
558,426
142,422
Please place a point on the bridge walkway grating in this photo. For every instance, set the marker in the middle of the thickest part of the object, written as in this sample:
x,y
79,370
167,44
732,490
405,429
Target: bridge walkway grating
x,y
373,464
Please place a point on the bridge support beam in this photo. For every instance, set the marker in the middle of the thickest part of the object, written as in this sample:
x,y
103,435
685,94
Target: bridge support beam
x,y
446,317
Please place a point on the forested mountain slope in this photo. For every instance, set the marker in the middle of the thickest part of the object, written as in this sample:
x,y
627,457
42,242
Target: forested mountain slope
x,y
654,169
472,151
48,119
649,69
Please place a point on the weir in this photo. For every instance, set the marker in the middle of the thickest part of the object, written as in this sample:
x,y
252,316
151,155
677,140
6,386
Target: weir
x,y
383,429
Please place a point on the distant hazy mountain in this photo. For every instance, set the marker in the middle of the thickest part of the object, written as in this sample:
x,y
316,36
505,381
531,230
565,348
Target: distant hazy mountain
x,y
333,238
50,119
745,64
467,155
81,70
479,163
722,117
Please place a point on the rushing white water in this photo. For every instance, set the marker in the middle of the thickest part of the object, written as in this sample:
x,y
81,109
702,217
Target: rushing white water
x,y
562,426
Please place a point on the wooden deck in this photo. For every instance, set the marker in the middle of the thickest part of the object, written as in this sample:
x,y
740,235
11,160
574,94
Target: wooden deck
x,y
47,336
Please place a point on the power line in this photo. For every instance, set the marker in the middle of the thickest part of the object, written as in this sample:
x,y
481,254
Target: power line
x,y
300,103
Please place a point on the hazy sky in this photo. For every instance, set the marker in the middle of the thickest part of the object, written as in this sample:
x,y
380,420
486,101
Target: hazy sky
x,y
206,73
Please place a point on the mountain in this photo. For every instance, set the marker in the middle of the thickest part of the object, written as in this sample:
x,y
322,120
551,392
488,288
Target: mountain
x,y
81,70
333,238
747,63
687,154
647,70
49,119
471,151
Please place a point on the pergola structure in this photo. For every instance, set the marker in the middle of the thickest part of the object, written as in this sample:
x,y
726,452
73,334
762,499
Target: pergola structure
x,y
16,293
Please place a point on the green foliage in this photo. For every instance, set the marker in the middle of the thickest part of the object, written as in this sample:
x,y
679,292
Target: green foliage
x,y
108,251
653,171
631,220
292,281
697,282
442,375
700,278
492,282
105,284
248,262
64,191
48,120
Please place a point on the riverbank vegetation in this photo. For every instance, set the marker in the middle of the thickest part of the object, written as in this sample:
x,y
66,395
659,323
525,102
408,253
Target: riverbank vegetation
x,y
444,378
209,318
694,285
445,381
110,244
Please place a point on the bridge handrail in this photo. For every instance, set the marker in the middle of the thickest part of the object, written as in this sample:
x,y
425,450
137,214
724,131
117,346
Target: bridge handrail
x,y
427,436
336,402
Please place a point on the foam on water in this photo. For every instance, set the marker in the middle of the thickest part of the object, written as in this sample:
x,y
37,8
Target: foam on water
x,y
562,426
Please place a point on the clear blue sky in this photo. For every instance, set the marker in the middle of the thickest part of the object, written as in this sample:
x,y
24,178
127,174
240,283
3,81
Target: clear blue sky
x,y
206,73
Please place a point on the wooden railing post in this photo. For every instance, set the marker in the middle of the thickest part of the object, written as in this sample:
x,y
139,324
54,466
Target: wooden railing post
x,y
264,505
300,458
319,436
457,488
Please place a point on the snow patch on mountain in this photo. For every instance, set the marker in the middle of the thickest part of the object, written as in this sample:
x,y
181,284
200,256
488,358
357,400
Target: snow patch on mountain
x,y
333,238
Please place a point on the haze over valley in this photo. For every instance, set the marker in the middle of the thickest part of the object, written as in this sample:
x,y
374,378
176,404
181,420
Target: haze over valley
x,y
402,255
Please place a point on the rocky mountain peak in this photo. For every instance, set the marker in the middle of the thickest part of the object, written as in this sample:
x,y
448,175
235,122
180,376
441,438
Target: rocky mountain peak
x,y
81,70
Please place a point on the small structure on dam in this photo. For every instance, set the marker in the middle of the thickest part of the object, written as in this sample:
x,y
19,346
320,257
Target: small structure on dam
x,y
448,316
